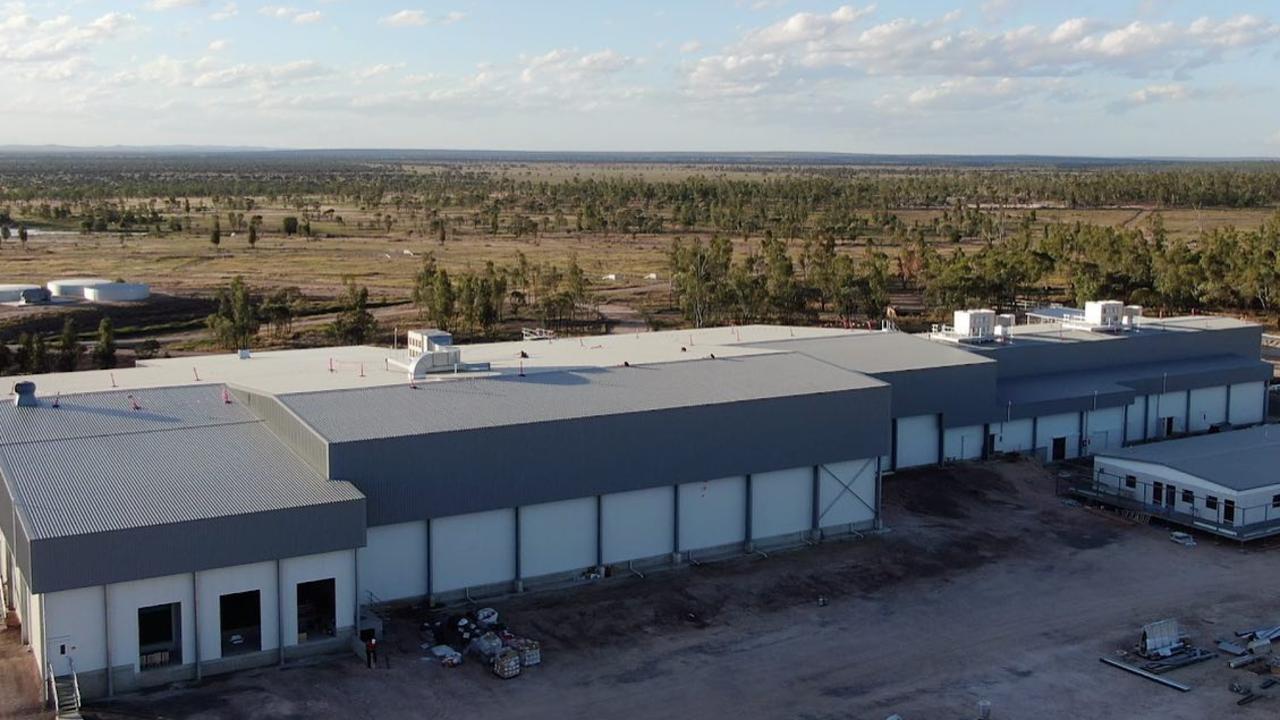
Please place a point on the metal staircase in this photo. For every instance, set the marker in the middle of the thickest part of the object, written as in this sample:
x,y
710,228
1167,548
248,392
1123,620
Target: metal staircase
x,y
65,693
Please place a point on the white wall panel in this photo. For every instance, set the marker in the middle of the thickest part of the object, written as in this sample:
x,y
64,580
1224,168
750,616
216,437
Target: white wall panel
x,y
211,585
1104,429
1012,436
917,441
393,562
847,492
1208,408
557,537
473,549
713,513
75,618
1063,425
638,524
306,568
124,601
1135,427
962,443
1166,405
782,502
1247,401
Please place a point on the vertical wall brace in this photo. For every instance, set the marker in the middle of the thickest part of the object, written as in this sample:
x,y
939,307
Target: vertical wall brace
x,y
195,621
106,636
280,611
675,525
747,543
600,531
430,589
815,509
519,582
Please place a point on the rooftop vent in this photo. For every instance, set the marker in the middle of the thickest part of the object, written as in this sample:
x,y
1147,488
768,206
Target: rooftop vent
x,y
26,392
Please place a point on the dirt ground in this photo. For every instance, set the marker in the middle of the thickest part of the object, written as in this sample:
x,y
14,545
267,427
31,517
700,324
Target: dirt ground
x,y
20,692
985,586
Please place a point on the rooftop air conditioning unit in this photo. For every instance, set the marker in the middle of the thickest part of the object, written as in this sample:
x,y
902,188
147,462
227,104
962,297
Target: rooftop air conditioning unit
x,y
1105,314
975,324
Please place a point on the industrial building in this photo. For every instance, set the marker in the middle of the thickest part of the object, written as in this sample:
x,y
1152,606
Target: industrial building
x,y
1223,483
195,515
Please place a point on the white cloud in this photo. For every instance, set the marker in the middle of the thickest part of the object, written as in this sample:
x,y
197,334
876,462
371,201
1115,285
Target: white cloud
x,y
569,66
23,39
292,14
1152,95
690,46
227,12
308,18
378,70
173,4
419,18
219,45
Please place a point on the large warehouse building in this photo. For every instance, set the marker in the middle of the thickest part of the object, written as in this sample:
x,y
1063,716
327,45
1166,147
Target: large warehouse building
x,y
196,515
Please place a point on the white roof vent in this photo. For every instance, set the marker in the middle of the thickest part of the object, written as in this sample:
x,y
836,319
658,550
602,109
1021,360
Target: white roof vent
x,y
26,394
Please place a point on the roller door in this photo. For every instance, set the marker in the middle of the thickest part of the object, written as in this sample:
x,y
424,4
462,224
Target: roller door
x,y
1208,408
638,524
1166,414
1104,429
917,441
962,443
713,513
393,562
1247,403
1058,436
847,493
781,503
557,537
473,550
1012,436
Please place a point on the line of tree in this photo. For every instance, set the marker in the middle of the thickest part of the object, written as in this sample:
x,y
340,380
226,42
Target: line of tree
x,y
33,354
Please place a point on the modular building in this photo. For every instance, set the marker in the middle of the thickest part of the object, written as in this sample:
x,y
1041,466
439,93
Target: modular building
x,y
195,515
1223,483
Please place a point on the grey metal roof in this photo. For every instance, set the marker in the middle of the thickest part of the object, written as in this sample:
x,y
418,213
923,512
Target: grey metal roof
x,y
454,405
874,353
1238,460
91,474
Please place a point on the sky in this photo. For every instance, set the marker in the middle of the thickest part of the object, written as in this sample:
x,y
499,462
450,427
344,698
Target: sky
x,y
1114,78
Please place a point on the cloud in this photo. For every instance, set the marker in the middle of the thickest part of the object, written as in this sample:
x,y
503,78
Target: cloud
x,y
219,45
378,70
23,39
1152,95
969,93
419,18
227,12
846,43
568,66
690,46
173,4
291,14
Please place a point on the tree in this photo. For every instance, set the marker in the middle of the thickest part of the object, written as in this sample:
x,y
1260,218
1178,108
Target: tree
x,y
6,357
22,236
69,350
39,356
698,274
104,353
443,300
290,225
253,235
215,235
4,233
236,321
355,325
25,358
279,310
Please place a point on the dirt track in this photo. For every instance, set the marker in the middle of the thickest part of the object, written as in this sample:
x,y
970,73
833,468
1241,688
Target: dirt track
x,y
986,587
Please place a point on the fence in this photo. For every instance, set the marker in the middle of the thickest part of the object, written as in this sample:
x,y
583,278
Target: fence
x,y
1226,519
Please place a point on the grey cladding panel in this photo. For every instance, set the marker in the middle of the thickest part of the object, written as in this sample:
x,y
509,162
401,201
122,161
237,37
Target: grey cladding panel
x,y
122,555
440,474
1032,358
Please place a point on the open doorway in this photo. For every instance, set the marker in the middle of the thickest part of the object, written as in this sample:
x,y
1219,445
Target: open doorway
x,y
160,636
317,610
1059,448
241,618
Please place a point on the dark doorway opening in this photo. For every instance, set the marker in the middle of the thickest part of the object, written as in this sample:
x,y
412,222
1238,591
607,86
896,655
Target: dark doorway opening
x,y
317,610
1168,426
241,618
1228,511
1060,448
160,636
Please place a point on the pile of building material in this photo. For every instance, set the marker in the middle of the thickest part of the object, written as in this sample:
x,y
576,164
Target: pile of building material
x,y
1164,648
481,635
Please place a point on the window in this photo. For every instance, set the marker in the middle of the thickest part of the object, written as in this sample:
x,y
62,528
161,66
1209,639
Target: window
x,y
1189,497
1130,481
1229,511
1275,501
1211,502
241,618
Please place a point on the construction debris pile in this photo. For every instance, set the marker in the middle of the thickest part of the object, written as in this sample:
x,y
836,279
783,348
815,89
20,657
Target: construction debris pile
x,y
481,635
1163,648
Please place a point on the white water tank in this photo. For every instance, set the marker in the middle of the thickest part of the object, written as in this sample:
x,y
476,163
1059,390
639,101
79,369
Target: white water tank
x,y
13,293
74,287
117,292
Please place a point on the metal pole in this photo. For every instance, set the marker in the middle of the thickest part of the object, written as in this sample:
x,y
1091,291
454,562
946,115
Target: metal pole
x,y
519,582
599,531
815,511
879,521
195,621
430,569
279,611
106,637
355,582
747,543
675,524
1143,673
